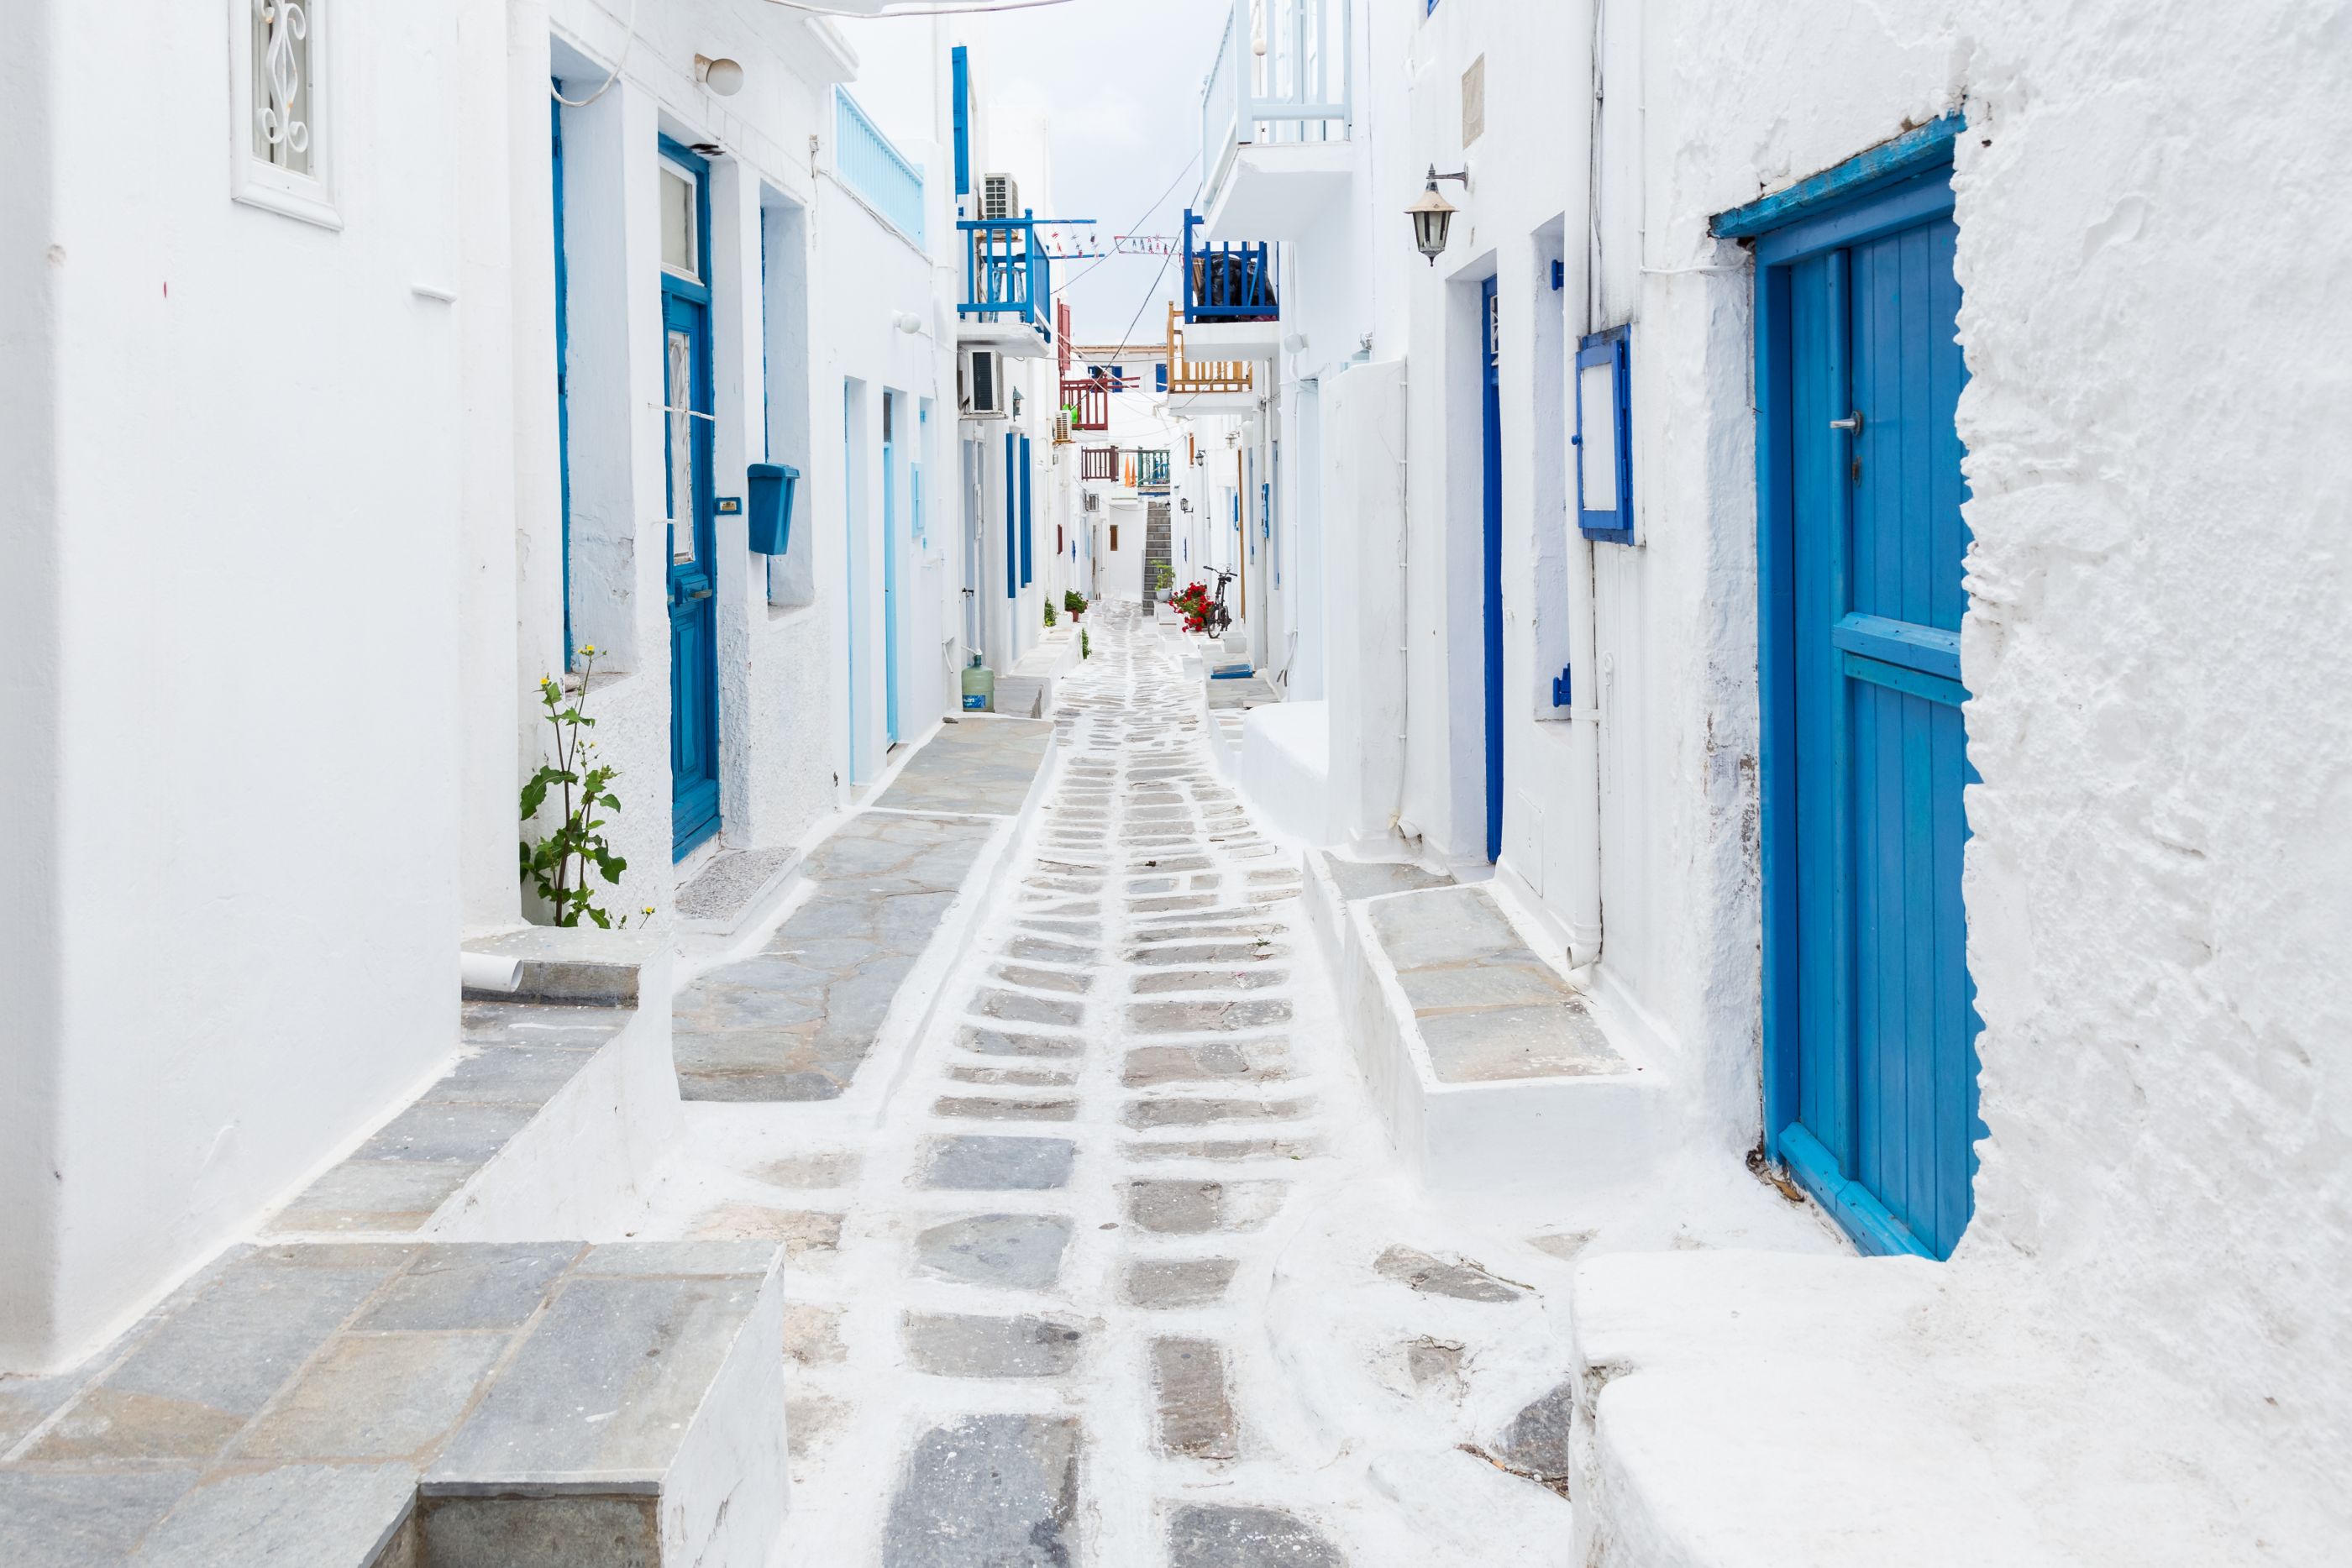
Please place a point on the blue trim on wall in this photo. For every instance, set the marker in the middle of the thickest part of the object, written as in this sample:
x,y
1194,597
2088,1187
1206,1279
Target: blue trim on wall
x,y
1491,546
1921,148
563,364
959,65
1614,347
1011,515
1028,545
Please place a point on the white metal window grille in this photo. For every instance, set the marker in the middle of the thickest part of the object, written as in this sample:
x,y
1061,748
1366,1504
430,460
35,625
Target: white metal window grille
x,y
282,86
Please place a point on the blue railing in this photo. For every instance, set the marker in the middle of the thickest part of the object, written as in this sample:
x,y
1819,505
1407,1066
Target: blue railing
x,y
876,169
1294,82
1006,272
1229,281
1152,468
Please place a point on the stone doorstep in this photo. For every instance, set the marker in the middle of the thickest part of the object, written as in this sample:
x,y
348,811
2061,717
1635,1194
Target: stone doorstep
x,y
1490,1070
291,1391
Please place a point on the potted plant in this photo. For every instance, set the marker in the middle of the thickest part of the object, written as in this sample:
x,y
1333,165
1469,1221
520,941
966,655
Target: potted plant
x,y
1074,602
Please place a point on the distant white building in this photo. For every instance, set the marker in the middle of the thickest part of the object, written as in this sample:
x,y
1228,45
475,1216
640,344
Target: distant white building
x,y
370,367
1751,525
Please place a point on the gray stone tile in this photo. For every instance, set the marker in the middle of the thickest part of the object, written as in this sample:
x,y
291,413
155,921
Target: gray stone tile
x,y
1462,1280
1061,980
976,766
1145,1115
373,1396
1221,1149
988,1492
1536,1442
1164,1283
1503,1043
719,1259
1012,1077
63,1519
1037,950
1015,1008
374,1195
1220,1535
1434,1363
1220,1062
454,1135
1015,1251
955,1344
194,1382
1208,980
1195,1416
1371,879
1180,1207
510,1075
999,1042
724,889
537,1532
1443,925
1174,955
469,1285
975,1109
1486,983
606,1384
1207,1017
978,1164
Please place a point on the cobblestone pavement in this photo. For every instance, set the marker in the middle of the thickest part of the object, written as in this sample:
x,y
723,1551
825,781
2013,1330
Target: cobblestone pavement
x,y
1116,1272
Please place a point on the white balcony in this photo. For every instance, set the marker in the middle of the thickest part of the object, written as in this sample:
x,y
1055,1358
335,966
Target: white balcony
x,y
1278,119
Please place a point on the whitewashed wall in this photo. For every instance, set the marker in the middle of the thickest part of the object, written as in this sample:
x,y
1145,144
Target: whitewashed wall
x,y
229,590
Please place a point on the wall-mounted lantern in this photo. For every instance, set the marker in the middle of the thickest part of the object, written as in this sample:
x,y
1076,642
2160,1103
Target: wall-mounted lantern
x,y
723,76
1433,215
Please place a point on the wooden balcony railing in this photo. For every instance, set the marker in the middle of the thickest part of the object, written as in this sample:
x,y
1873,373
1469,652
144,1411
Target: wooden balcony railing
x,y
1188,378
1088,400
1098,463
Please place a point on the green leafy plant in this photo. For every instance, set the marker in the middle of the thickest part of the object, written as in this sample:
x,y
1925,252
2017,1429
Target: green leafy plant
x,y
1086,644
1165,577
1073,601
559,866
1049,615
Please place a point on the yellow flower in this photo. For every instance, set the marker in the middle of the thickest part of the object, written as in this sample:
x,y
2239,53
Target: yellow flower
x,y
649,909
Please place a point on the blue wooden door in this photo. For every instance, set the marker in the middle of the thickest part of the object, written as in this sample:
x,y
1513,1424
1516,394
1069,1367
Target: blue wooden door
x,y
687,418
1491,536
1880,1117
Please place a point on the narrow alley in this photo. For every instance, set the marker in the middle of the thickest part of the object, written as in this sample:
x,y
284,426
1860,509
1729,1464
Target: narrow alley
x,y
1115,1261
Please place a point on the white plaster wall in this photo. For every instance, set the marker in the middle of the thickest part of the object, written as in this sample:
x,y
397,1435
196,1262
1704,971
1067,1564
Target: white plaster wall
x,y
232,551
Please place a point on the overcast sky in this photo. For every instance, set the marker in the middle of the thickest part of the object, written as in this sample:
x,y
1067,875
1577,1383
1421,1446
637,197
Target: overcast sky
x,y
1121,83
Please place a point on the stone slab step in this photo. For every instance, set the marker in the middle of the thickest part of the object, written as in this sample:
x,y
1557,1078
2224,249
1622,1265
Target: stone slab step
x,y
1490,1069
369,1405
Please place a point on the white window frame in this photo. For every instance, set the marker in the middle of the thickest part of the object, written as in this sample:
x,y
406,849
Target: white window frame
x,y
256,181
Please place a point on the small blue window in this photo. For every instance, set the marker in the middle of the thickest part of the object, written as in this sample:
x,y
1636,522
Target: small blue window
x,y
1604,436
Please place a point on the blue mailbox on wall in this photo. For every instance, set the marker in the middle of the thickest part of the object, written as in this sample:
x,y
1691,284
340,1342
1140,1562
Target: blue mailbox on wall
x,y
770,507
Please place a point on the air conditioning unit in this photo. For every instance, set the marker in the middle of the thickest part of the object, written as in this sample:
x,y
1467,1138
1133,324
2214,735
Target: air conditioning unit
x,y
980,383
1000,196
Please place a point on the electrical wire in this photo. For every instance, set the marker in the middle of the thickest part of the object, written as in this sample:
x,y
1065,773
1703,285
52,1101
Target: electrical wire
x,y
1158,203
628,42
892,13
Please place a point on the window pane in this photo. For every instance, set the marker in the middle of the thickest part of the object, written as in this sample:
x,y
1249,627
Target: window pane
x,y
681,445
282,83
1597,390
678,227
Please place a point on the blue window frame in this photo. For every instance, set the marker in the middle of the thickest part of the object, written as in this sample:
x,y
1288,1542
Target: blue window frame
x,y
1011,515
960,63
1028,546
1604,436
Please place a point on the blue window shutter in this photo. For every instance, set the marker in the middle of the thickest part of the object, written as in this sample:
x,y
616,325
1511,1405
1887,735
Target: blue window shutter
x,y
1609,524
1161,375
1028,549
1012,513
961,63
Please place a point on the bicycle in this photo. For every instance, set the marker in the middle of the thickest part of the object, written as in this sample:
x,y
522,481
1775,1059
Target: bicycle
x,y
1220,619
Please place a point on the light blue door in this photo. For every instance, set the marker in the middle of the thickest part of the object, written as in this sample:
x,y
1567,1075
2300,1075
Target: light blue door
x,y
890,567
1879,1102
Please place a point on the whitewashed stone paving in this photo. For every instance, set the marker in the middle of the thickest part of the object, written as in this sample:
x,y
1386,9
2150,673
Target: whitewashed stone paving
x,y
1116,1272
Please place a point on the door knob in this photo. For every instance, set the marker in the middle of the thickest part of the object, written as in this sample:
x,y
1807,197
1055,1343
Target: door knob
x,y
1852,422
698,593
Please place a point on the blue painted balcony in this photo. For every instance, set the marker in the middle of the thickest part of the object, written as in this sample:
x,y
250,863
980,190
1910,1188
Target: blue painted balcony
x,y
1230,305
1008,288
1152,470
875,170
1278,119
